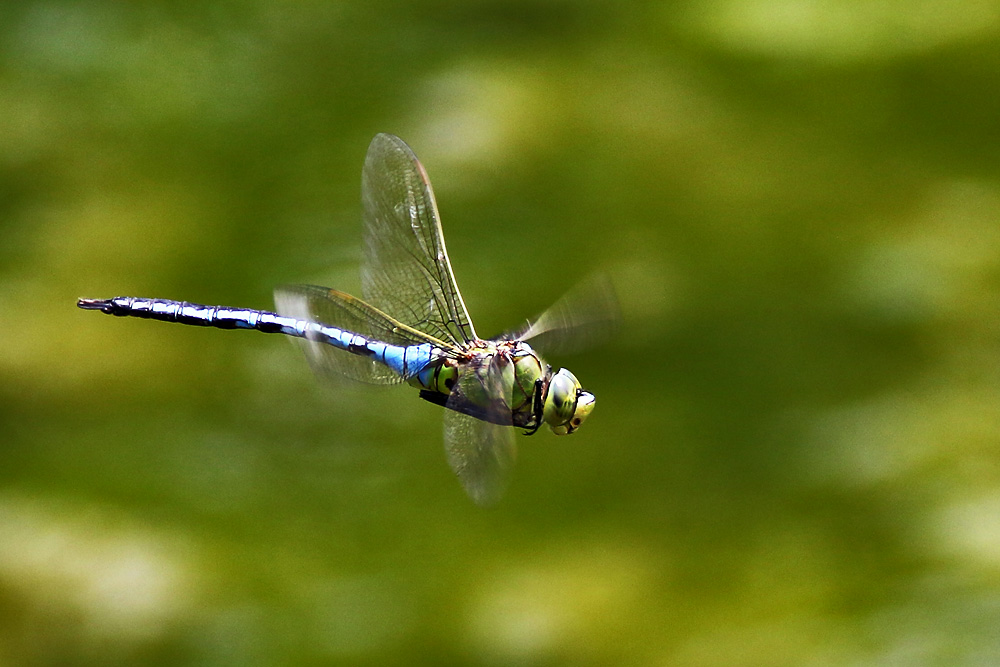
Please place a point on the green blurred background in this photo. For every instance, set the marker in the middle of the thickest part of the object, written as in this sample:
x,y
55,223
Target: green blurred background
x,y
795,458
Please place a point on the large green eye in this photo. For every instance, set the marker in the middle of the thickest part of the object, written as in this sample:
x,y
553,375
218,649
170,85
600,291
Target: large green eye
x,y
567,404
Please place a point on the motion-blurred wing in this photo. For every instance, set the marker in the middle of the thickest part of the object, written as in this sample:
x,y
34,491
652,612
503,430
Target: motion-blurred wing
x,y
585,316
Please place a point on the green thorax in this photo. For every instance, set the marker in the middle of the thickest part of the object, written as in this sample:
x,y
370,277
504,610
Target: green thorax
x,y
507,382
491,369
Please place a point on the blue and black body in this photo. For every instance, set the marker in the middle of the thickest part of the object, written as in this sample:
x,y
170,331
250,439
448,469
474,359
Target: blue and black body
x,y
407,361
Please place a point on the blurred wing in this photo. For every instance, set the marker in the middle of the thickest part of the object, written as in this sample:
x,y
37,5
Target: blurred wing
x,y
478,436
406,272
336,309
585,316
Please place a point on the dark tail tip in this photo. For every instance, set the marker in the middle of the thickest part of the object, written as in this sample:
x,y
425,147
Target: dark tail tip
x,y
94,304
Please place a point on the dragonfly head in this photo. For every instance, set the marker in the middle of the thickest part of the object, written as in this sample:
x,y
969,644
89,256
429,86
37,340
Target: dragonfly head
x,y
567,404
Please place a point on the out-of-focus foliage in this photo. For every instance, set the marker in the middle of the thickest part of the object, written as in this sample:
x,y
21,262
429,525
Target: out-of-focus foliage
x,y
795,457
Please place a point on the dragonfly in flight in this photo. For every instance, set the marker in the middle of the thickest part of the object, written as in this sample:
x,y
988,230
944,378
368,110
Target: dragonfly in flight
x,y
413,326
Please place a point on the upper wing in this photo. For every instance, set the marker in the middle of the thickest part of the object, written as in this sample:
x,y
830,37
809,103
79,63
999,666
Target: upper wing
x,y
406,272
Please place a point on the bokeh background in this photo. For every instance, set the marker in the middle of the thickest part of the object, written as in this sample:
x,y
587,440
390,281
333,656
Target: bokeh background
x,y
795,458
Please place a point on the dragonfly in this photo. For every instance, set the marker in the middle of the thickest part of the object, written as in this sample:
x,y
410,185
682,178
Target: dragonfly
x,y
413,327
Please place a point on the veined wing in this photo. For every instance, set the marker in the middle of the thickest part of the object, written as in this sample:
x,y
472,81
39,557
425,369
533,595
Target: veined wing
x,y
343,311
586,315
478,437
406,272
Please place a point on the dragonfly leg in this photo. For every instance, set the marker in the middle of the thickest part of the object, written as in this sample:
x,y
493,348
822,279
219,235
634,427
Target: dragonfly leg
x,y
435,397
537,406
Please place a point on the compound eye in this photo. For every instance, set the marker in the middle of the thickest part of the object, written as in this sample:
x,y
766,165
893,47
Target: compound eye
x,y
584,405
567,405
561,400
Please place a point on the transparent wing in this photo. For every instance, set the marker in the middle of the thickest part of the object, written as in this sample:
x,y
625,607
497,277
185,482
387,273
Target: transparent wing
x,y
585,316
406,272
336,309
478,436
